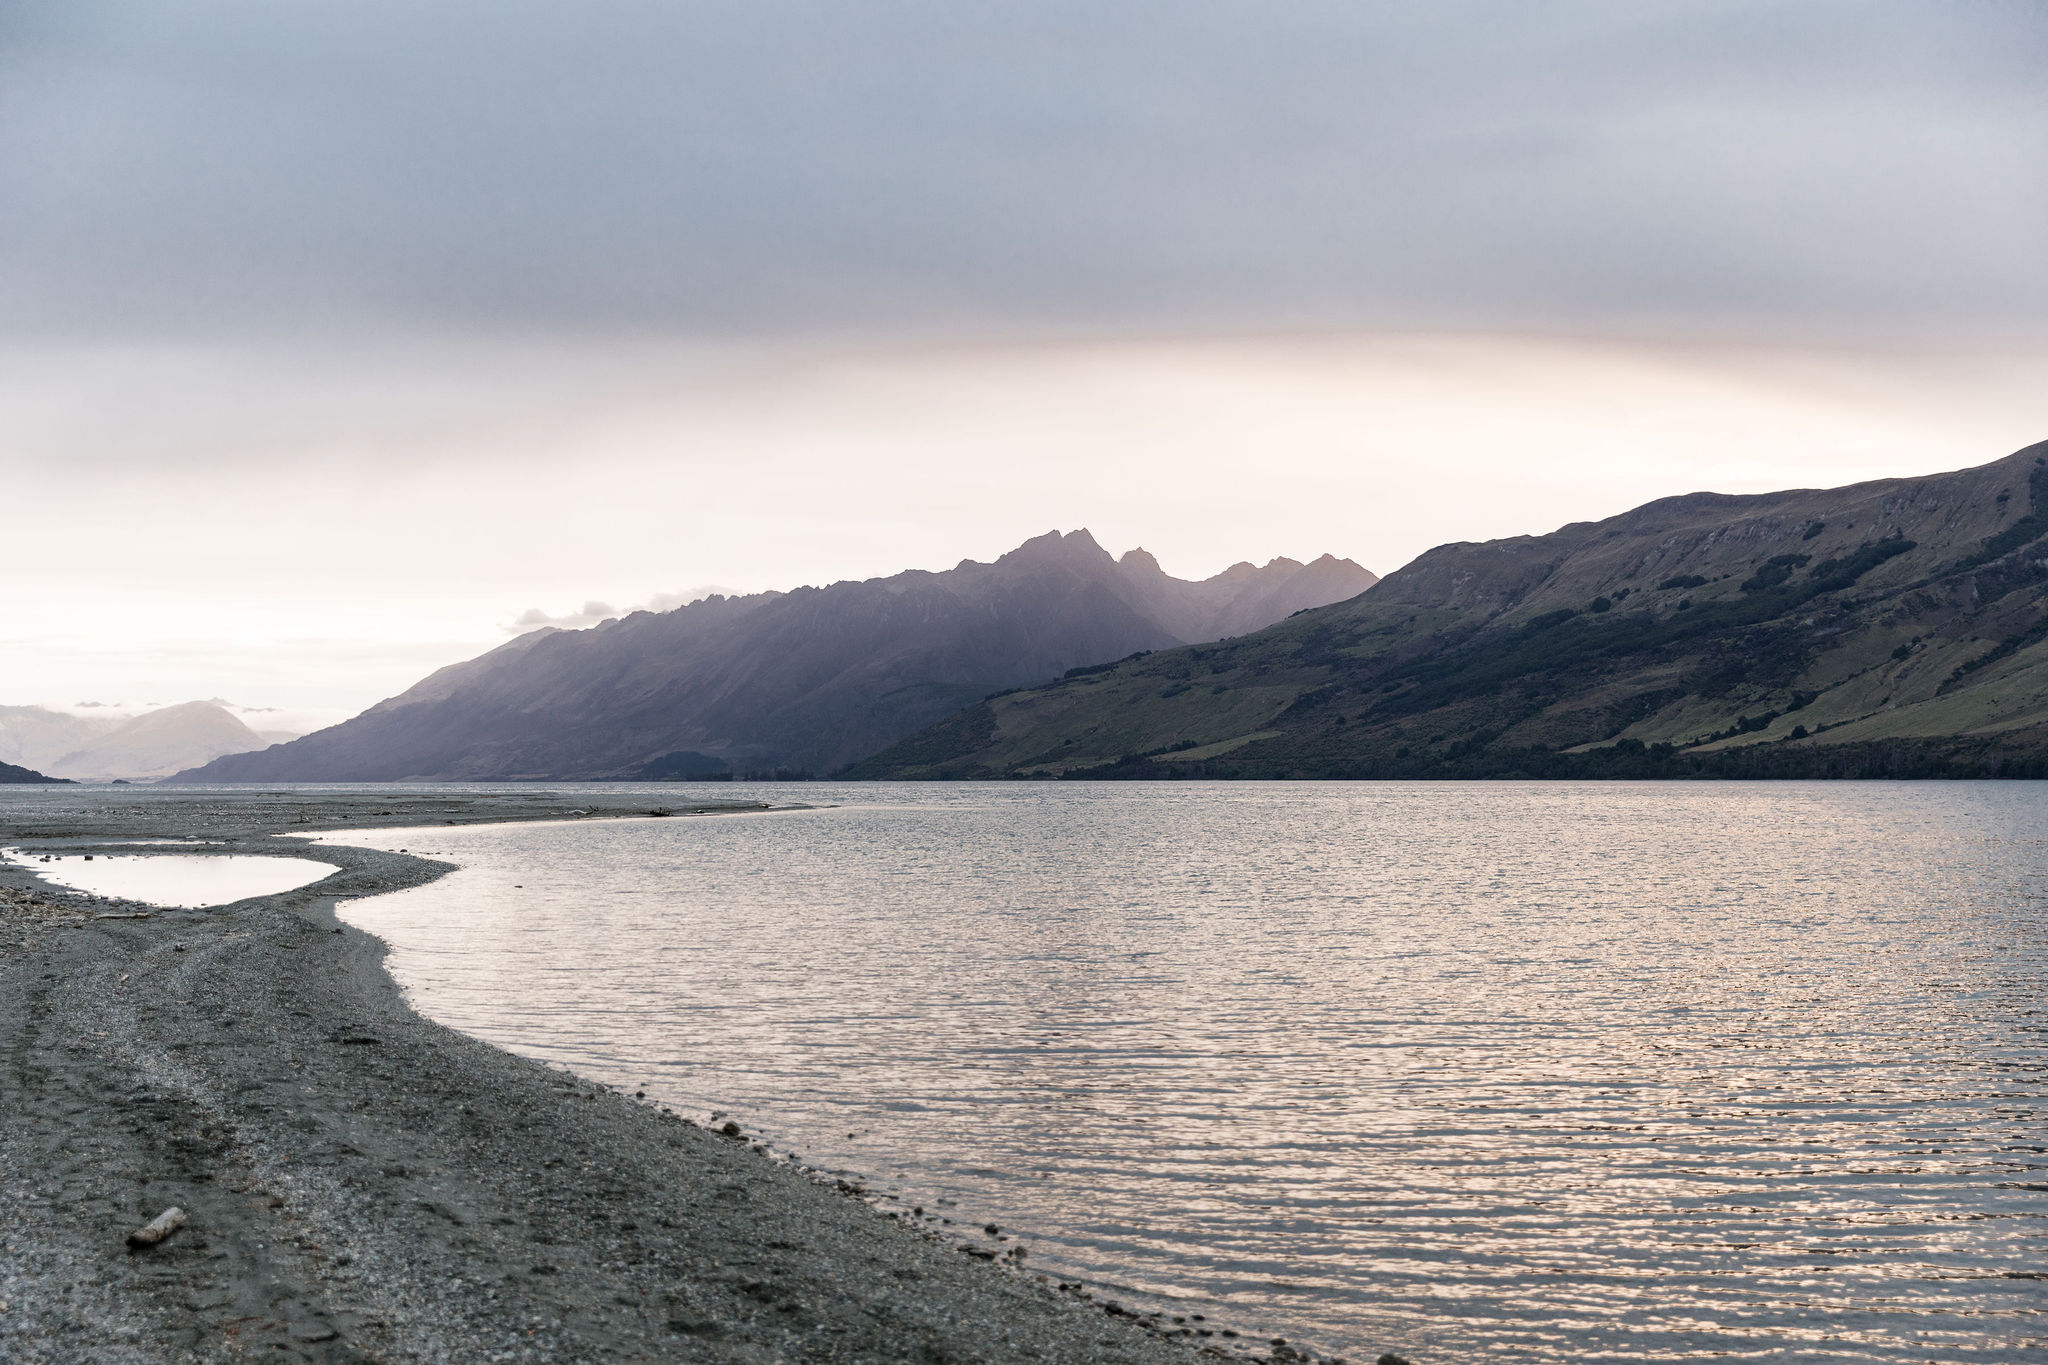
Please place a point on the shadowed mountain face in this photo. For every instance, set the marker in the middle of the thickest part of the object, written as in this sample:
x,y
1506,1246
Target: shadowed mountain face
x,y
1889,628
12,773
151,745
800,681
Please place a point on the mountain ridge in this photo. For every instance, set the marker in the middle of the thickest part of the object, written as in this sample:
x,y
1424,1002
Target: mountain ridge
x,y
804,680
1891,627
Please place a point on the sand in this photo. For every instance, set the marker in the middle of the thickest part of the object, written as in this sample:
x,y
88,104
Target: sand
x,y
364,1185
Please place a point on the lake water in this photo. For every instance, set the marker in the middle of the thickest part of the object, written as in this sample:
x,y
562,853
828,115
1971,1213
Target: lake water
x,y
172,879
1471,1072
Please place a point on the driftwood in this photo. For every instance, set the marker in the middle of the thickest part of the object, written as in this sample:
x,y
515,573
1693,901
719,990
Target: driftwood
x,y
157,1228
140,914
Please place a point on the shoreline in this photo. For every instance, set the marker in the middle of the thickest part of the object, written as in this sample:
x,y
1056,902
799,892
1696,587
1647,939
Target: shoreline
x,y
363,1184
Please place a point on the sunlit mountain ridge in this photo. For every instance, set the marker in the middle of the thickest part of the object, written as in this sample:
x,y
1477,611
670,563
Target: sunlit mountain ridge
x,y
1891,628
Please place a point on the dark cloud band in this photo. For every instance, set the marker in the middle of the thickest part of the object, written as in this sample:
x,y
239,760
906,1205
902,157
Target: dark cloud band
x,y
771,165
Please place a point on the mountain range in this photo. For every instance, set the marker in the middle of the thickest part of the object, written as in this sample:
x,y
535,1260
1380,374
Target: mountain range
x,y
1891,628
787,682
153,744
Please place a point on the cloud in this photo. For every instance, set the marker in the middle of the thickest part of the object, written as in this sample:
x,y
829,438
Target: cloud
x,y
593,612
669,601
590,614
712,166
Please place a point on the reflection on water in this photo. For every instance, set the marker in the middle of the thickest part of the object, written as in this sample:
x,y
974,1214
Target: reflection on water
x,y
173,879
1473,1072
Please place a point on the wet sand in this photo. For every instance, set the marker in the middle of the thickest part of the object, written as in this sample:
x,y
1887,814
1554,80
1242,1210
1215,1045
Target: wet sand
x,y
364,1185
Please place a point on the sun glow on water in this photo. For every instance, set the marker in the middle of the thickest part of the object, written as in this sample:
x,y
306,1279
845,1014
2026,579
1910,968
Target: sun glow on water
x,y
1474,1071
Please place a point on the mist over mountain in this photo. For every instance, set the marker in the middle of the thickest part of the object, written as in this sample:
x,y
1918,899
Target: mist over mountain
x,y
141,747
802,681
1891,628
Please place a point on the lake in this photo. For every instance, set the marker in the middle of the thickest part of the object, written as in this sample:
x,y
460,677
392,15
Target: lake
x,y
1470,1072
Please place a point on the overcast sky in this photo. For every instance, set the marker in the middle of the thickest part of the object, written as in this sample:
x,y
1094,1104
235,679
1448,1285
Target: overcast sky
x,y
335,338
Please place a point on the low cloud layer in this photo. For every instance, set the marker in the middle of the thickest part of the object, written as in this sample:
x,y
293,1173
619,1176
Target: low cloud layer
x,y
270,721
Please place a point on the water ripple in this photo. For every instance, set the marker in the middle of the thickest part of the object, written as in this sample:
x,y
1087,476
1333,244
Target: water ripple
x,y
1638,1072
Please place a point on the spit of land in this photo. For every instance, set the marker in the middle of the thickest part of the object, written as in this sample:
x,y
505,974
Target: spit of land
x,y
361,1184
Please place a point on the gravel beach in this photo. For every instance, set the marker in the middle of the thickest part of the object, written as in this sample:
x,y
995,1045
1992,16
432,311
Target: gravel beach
x,y
363,1185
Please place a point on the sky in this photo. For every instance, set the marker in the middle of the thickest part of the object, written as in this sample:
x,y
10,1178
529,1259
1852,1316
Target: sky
x,y
338,343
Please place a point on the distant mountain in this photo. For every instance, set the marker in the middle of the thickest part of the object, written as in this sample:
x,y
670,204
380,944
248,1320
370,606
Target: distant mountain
x,y
34,735
9,773
1895,628
98,748
802,681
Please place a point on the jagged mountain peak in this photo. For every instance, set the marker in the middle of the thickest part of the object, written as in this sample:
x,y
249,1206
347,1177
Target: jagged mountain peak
x,y
1077,548
810,679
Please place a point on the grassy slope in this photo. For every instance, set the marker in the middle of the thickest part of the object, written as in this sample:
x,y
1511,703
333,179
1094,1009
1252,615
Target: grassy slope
x,y
1888,627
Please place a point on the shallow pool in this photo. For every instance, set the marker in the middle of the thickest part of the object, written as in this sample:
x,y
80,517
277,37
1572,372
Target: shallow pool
x,y
173,880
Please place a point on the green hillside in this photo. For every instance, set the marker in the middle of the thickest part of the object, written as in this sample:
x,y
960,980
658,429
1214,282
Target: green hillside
x,y
1891,628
